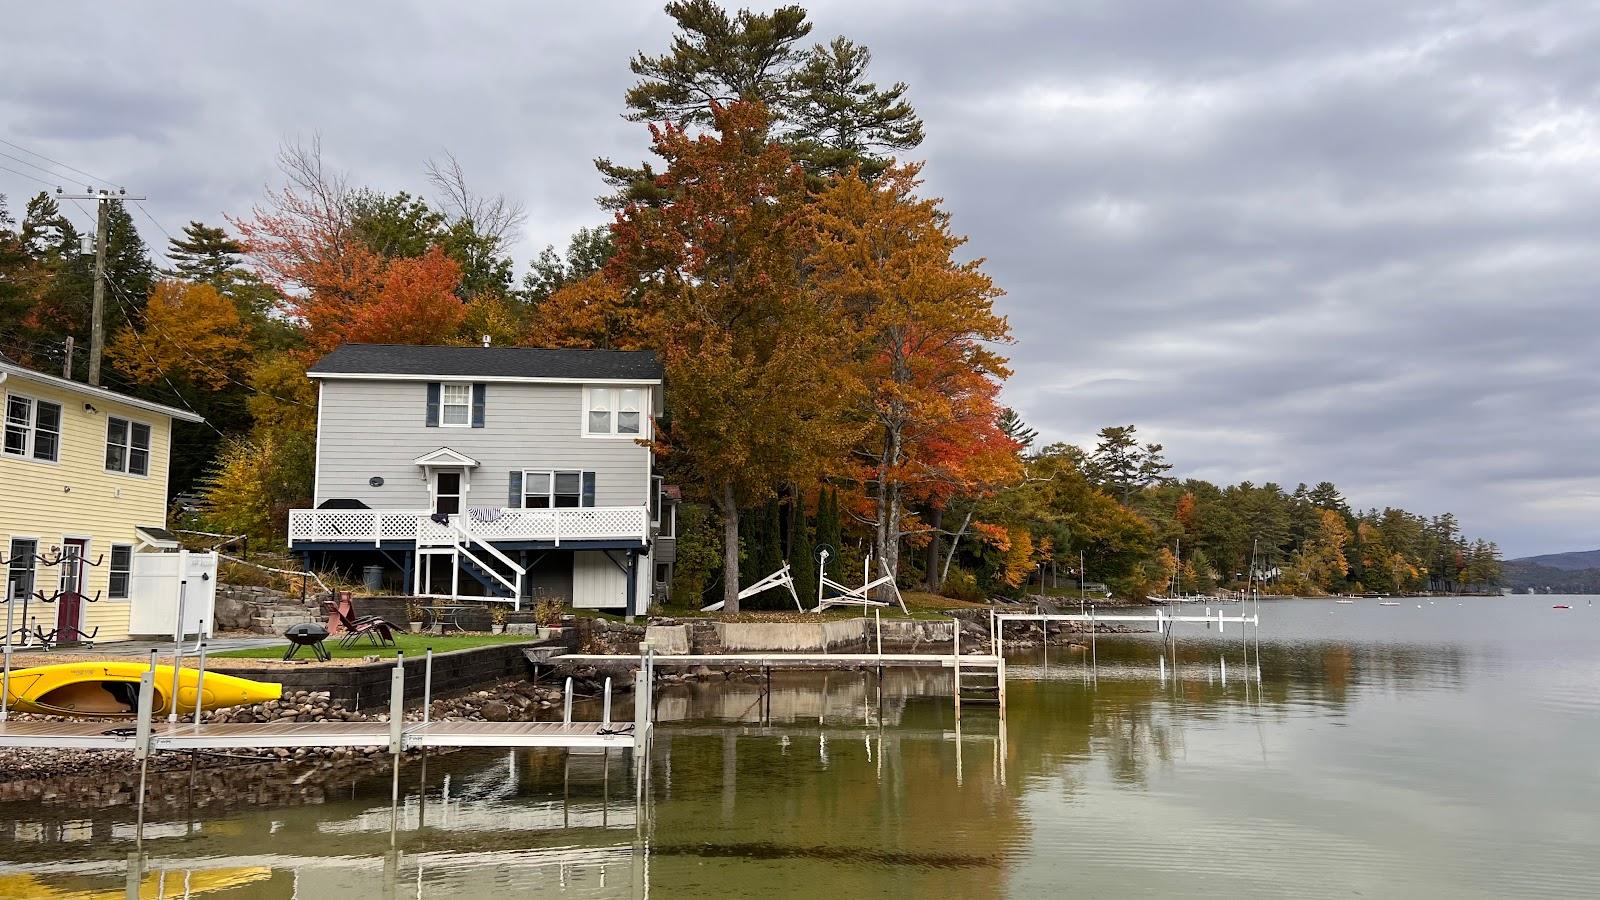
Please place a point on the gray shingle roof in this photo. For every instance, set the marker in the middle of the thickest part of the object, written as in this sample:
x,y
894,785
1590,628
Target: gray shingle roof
x,y
489,362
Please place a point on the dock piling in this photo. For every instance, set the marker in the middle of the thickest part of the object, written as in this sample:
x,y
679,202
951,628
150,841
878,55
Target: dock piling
x,y
605,709
566,705
199,686
427,685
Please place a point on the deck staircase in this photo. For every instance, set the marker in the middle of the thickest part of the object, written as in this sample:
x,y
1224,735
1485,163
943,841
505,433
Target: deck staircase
x,y
492,586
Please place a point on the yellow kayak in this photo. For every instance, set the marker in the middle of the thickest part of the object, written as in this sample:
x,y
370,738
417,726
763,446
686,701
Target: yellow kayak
x,y
170,883
107,689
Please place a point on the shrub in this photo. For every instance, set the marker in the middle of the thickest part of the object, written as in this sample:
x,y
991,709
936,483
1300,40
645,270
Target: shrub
x,y
962,585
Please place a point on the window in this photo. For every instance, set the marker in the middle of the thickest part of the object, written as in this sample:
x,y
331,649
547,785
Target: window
x,y
615,411
557,490
447,493
456,404
127,446
121,571
19,574
33,428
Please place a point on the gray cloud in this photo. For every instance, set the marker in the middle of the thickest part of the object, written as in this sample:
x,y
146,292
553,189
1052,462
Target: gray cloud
x,y
1292,241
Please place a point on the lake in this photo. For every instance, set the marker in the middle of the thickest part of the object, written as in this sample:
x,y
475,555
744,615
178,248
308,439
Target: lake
x,y
1436,749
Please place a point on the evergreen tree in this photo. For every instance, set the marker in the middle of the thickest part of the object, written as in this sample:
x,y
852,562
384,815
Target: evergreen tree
x,y
204,253
823,107
802,551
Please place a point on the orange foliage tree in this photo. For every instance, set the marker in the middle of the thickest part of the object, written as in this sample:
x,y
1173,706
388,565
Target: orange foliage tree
x,y
759,398
306,246
886,257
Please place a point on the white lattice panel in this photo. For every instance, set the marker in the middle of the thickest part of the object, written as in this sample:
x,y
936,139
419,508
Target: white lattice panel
x,y
347,525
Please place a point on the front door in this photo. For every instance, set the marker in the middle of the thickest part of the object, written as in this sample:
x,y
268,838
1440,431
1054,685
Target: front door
x,y
447,493
69,606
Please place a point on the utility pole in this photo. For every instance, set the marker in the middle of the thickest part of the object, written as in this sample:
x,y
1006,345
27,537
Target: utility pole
x,y
97,327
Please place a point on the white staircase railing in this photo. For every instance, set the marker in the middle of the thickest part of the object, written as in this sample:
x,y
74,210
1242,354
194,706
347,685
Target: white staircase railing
x,y
465,537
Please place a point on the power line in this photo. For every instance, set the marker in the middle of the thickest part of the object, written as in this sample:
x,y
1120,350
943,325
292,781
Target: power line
x,y
26,175
30,165
58,162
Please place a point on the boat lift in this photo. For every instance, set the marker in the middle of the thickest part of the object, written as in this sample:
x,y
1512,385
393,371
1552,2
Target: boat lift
x,y
783,577
849,596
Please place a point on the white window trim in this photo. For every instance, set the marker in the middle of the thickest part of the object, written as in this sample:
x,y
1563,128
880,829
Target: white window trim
x,y
111,571
550,495
614,397
33,428
444,388
127,459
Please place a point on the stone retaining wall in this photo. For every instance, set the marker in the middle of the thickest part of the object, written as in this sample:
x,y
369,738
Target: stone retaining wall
x,y
366,686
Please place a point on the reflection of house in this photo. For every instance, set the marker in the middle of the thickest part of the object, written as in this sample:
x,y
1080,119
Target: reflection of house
x,y
83,492
495,472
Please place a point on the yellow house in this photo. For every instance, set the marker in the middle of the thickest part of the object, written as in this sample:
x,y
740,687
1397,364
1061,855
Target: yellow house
x,y
83,487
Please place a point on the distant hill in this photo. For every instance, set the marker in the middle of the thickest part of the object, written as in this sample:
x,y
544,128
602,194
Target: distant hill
x,y
1556,573
1578,559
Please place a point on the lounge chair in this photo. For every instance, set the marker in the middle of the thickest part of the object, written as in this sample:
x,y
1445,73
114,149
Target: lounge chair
x,y
377,631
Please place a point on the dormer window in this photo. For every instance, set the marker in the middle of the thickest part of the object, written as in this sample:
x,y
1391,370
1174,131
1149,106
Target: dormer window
x,y
615,412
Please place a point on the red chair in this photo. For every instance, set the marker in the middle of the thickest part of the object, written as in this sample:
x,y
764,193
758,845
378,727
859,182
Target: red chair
x,y
377,631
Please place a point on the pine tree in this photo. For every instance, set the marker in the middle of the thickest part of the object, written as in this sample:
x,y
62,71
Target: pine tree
x,y
204,253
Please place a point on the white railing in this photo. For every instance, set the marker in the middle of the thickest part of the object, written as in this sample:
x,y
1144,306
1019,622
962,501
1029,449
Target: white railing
x,y
555,525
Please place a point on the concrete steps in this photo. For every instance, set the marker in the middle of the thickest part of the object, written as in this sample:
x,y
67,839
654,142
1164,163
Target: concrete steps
x,y
275,620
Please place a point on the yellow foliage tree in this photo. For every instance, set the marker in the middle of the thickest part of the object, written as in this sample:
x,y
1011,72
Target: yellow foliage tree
x,y
190,333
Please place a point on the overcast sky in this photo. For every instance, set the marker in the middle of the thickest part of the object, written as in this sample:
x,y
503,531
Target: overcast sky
x,y
1293,241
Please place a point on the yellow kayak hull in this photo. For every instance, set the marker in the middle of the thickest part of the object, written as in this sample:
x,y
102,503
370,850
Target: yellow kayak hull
x,y
111,690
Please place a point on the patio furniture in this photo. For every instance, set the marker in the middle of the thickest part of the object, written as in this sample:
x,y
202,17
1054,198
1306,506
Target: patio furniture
x,y
442,616
307,634
377,631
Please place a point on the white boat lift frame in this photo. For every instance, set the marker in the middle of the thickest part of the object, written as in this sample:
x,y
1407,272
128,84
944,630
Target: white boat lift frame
x,y
783,576
849,596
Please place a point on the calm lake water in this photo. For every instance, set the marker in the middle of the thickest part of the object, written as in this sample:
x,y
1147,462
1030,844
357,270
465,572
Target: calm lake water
x,y
1451,750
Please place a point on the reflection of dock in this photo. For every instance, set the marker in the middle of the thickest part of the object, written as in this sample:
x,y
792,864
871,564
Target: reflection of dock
x,y
813,661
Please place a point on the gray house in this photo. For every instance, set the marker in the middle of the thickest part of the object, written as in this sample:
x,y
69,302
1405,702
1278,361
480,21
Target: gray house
x,y
499,473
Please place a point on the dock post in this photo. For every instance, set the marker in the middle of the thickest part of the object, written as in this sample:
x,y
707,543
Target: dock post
x,y
397,715
605,709
877,621
397,704
955,662
566,706
427,685
177,640
142,738
5,680
199,685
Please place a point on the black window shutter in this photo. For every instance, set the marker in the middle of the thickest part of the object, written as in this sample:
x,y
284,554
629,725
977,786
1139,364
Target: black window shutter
x,y
479,392
588,489
433,404
514,499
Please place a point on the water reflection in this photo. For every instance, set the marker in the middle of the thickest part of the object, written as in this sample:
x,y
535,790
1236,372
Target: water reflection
x,y
1142,769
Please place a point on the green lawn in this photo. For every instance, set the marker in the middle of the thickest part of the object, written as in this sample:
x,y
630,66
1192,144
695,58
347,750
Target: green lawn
x,y
410,644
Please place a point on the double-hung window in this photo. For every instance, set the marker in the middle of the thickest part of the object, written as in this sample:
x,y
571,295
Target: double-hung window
x,y
127,446
618,412
557,489
121,571
33,428
455,404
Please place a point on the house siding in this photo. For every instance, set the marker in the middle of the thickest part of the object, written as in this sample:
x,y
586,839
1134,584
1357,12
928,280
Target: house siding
x,y
598,582
76,497
376,428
